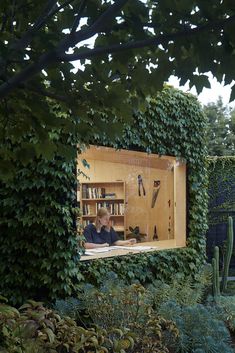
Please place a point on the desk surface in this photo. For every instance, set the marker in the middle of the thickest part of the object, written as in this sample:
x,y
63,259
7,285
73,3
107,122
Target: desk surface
x,y
157,245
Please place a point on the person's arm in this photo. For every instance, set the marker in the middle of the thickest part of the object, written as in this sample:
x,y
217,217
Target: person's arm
x,y
94,246
125,242
116,241
89,244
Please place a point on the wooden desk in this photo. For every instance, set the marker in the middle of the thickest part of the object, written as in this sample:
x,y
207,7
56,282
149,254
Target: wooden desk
x,y
157,245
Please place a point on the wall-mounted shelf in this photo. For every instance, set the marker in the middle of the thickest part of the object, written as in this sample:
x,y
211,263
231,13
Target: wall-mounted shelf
x,y
93,197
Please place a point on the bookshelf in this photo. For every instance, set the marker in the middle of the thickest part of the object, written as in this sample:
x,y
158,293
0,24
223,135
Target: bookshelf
x,y
110,194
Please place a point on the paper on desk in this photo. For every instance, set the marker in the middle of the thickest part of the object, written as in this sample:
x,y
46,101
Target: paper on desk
x,y
116,247
138,248
98,250
89,253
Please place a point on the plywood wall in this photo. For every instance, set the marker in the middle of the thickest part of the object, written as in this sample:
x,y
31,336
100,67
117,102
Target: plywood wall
x,y
114,166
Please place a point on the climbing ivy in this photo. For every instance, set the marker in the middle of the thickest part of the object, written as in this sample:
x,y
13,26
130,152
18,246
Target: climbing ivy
x,y
173,125
221,191
38,238
38,244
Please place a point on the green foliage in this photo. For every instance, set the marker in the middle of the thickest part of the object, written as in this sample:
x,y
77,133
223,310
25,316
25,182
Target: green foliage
x,y
215,261
38,238
145,267
221,179
221,129
143,311
69,307
35,64
224,309
199,330
116,304
36,329
228,253
215,267
105,304
166,129
40,245
185,292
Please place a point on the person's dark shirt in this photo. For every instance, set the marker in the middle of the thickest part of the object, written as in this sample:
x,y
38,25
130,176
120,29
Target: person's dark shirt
x,y
92,236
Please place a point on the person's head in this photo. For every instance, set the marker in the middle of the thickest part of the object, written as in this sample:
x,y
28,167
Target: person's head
x,y
102,218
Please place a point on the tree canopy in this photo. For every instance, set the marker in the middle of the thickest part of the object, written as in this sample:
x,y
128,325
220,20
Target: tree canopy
x,y
221,129
126,49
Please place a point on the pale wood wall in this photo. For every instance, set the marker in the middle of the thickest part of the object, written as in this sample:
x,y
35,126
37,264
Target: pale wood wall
x,y
109,165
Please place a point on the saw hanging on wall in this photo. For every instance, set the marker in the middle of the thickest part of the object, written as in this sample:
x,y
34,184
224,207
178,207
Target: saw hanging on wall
x,y
156,188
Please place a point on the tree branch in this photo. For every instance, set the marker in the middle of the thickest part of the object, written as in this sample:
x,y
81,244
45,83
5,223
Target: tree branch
x,y
46,93
162,39
44,61
72,39
40,22
78,17
54,56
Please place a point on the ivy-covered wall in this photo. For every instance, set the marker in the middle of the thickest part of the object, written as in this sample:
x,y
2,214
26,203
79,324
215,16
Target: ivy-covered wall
x,y
221,192
38,244
174,125
38,239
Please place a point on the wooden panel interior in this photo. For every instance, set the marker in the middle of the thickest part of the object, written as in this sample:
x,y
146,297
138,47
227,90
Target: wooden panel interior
x,y
180,203
109,165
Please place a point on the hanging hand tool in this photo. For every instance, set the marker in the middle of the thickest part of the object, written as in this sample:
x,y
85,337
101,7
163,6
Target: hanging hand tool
x,y
156,188
140,183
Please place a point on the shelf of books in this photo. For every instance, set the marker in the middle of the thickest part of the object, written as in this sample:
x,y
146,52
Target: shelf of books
x,y
94,195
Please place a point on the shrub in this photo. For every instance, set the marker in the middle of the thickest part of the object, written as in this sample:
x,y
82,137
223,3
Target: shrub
x,y
200,331
224,309
35,329
128,307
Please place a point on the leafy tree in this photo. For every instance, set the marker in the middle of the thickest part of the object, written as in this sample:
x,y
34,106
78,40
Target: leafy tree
x,y
221,129
137,46
231,137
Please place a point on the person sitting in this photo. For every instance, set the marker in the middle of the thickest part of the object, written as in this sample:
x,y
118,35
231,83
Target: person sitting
x,y
101,233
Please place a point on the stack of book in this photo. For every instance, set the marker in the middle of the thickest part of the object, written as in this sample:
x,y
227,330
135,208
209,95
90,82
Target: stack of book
x,y
115,208
89,192
86,209
110,195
